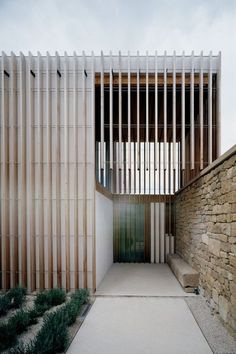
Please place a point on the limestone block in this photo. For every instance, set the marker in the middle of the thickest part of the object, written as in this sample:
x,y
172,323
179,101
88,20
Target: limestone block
x,y
223,254
231,172
232,259
233,229
225,229
233,289
233,207
223,307
215,296
232,239
186,275
205,239
233,249
214,246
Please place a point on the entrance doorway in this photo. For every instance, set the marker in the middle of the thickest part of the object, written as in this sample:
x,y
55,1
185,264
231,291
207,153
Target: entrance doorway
x,y
131,232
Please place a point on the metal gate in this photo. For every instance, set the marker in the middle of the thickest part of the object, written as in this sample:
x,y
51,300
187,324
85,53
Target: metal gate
x,y
131,232
142,231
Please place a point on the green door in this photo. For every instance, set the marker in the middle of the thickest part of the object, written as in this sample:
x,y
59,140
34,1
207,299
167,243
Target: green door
x,y
129,233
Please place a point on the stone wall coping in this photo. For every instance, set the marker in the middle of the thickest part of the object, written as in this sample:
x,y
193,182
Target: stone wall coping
x,y
221,159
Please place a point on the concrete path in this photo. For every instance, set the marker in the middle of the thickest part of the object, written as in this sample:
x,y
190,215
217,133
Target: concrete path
x,y
139,326
142,279
140,309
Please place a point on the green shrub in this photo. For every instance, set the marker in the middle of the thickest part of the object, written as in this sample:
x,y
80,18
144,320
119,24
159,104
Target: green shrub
x,y
19,321
80,296
41,298
53,336
33,314
71,312
16,324
7,336
4,304
49,298
56,296
17,296
14,298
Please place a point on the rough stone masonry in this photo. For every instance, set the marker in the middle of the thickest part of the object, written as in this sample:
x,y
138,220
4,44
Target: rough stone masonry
x,y
206,232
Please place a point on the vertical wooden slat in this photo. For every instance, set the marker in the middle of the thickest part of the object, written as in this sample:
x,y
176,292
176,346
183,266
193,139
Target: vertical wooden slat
x,y
22,175
120,114
210,110
12,202
135,182
167,245
201,111
49,171
147,116
102,115
156,113
129,119
94,194
116,177
111,113
159,168
149,167
157,232
4,236
162,232
125,167
58,169
144,167
152,221
165,112
66,170
174,111
183,112
85,261
172,244
192,143
13,175
38,184
29,180
138,117
75,132
32,177
169,168
218,114
41,171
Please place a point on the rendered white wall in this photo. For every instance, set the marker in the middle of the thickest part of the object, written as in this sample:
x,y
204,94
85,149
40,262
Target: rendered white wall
x,y
104,236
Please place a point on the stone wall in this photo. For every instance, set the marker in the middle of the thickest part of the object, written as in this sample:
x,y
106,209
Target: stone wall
x,y
206,232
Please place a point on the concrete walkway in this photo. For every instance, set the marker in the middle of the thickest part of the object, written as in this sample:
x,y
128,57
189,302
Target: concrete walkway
x,y
140,279
139,309
139,326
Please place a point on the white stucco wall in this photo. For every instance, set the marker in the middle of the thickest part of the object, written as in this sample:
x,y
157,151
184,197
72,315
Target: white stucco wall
x,y
104,236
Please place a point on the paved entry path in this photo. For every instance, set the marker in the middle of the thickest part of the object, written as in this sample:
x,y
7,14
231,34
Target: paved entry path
x,y
140,279
143,324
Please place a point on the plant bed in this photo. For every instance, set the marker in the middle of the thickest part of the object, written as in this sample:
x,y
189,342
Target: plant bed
x,y
23,318
53,334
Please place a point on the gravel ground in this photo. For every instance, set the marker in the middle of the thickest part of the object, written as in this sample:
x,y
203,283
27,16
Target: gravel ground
x,y
218,337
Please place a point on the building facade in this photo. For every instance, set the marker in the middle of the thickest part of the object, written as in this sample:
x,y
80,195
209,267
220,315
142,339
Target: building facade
x,y
93,150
